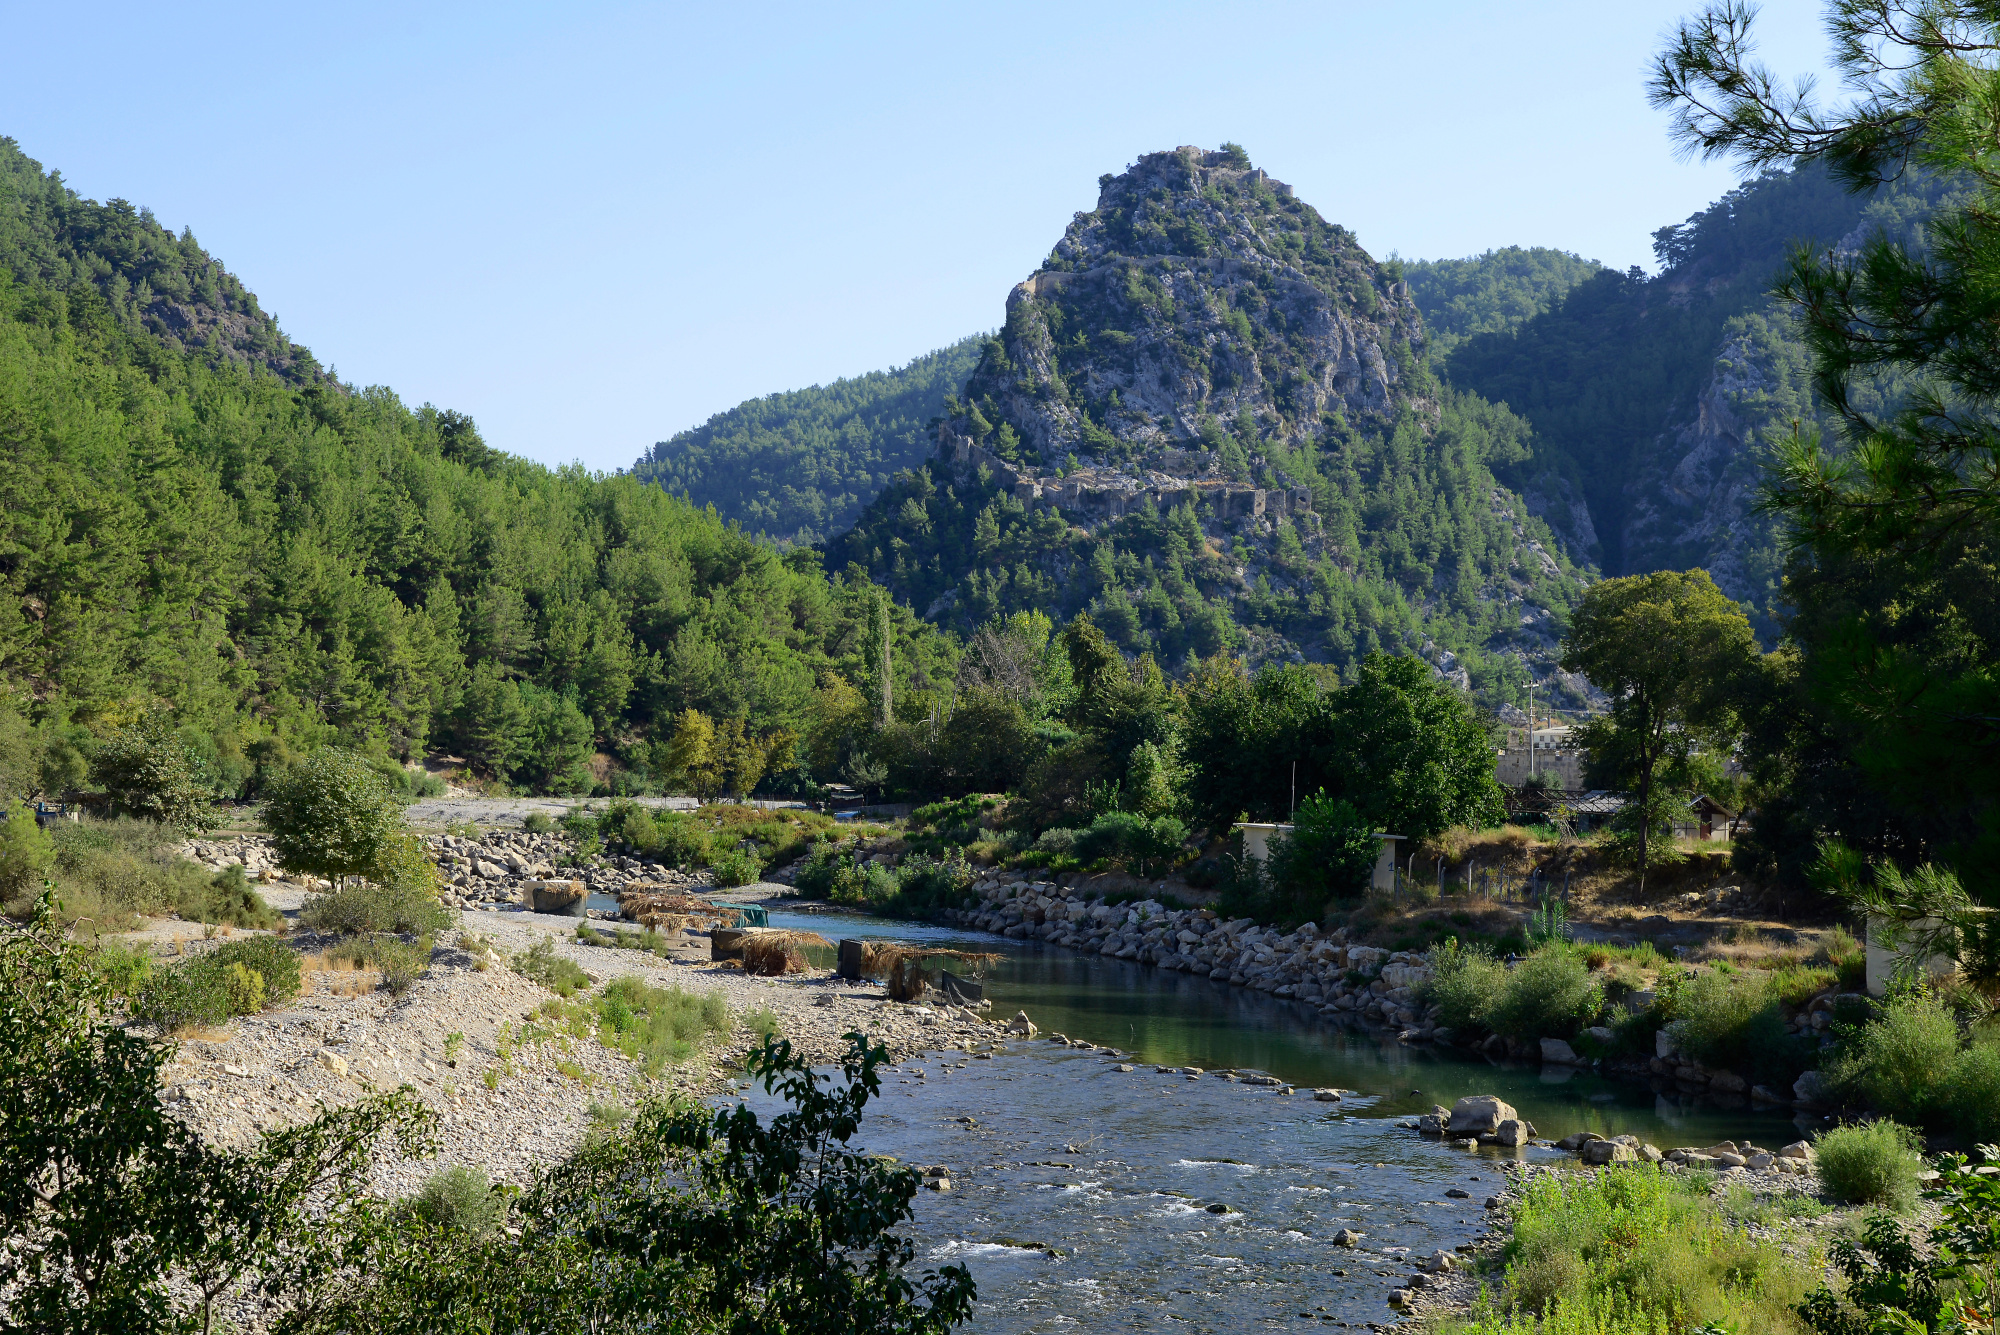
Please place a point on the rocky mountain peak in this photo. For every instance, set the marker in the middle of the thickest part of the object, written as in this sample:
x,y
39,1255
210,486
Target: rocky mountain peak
x,y
1199,306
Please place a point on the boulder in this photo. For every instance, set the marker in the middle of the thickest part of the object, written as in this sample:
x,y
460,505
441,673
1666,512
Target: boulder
x,y
1430,1126
1765,1094
1728,1082
1650,1153
1757,1163
1601,1033
1731,1161
1810,1091
1576,1140
1555,1052
1022,1025
1798,1149
1333,1096
1347,1237
1664,1045
333,1062
1439,1263
1477,1114
1512,1133
1608,1151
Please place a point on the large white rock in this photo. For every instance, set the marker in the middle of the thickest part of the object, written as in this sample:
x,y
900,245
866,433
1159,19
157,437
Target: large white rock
x,y
1555,1052
1476,1114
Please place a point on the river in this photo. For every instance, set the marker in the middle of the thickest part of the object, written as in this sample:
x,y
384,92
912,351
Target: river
x,y
1080,1194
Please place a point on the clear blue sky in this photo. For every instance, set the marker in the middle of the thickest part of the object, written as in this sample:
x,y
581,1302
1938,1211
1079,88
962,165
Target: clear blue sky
x,y
592,225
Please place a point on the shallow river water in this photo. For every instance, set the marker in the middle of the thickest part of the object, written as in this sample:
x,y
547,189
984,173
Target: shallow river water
x,y
1080,1193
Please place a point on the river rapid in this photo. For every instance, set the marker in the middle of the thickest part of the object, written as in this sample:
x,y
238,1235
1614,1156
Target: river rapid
x,y
1081,1195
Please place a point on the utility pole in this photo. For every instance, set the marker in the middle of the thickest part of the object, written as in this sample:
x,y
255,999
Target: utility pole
x,y
1294,813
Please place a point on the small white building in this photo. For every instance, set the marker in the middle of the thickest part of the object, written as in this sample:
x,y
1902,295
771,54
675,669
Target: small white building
x,y
1257,848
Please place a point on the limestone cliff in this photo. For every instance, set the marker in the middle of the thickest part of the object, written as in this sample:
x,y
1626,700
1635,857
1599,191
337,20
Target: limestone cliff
x,y
1199,302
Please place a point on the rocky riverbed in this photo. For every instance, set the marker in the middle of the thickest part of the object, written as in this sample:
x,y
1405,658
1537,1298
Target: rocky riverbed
x,y
334,1043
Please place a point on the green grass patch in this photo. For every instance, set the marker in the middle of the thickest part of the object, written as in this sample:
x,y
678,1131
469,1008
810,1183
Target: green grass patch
x,y
1634,1252
655,1026
541,964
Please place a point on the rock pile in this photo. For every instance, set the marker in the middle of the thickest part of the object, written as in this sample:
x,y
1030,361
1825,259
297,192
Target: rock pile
x,y
1368,984
500,866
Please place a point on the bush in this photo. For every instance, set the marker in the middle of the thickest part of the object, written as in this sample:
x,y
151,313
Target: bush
x,y
1058,842
366,907
230,899
270,958
459,1198
735,868
187,996
537,822
654,1025
1464,984
1734,1021
1130,840
126,968
541,964
1549,994
236,978
1970,1098
1900,1063
667,836
1873,1163
27,854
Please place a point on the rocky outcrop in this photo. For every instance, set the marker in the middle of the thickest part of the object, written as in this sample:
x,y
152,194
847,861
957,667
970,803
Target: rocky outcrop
x,y
1694,491
1198,292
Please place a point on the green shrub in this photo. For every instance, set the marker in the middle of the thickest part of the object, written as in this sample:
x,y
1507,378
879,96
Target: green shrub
x,y
762,1022
245,989
1131,840
1464,984
236,978
1873,1163
667,836
401,962
187,996
1970,1097
274,961
459,1198
1549,994
231,899
1734,1021
653,1025
27,854
366,907
1899,1063
541,964
735,868
537,822
126,968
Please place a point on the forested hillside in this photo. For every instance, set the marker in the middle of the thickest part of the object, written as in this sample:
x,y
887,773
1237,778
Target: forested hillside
x,y
1496,292
1204,321
268,561
149,280
1652,399
800,466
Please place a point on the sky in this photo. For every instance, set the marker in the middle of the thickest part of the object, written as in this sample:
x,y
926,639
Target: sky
x,y
590,226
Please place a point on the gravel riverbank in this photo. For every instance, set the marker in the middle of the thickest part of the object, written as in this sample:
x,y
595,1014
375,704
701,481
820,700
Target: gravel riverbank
x,y
334,1046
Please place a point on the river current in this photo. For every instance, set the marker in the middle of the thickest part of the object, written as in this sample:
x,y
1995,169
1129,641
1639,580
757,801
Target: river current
x,y
1081,1196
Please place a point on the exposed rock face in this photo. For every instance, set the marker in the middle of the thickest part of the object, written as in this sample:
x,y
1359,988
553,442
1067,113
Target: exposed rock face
x,y
1197,291
1695,488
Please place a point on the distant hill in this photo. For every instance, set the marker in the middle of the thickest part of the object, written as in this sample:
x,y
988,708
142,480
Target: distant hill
x,y
200,525
1209,422
1493,293
1652,399
152,281
800,466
